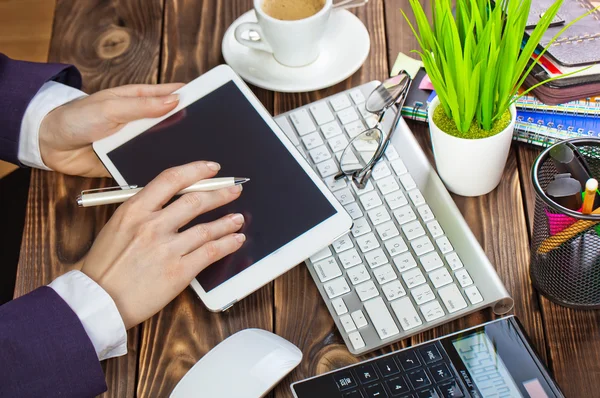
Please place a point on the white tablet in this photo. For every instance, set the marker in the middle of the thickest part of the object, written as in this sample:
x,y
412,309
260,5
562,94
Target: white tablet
x,y
289,212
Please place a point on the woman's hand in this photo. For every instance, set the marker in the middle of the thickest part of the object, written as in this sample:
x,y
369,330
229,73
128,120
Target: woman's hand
x,y
142,260
66,133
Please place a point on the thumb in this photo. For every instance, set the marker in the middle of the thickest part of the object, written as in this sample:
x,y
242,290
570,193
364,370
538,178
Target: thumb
x,y
127,109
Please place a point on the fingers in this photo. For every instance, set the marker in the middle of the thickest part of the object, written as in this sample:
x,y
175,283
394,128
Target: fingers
x,y
144,90
160,190
200,234
210,252
191,205
127,109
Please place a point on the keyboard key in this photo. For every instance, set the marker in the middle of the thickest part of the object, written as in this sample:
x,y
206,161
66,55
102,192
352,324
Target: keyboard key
x,y
404,262
335,185
413,230
366,290
440,277
343,243
440,372
393,290
396,246
302,121
422,245
320,154
349,258
344,196
358,274
321,254
397,386
387,366
422,294
391,153
444,245
347,323
379,215
354,210
431,261
408,359
355,393
384,274
404,215
367,242
435,229
406,314
321,112
396,199
347,115
357,96
463,277
398,166
380,170
413,277
354,128
345,380
370,200
368,188
416,197
426,213
387,230
473,294
361,226
418,378
338,143
375,258
429,393
359,319
339,102
356,340
336,287
407,181
284,124
432,311
451,390
339,306
327,168
454,261
430,353
331,130
312,140
376,391
381,318
387,185
327,269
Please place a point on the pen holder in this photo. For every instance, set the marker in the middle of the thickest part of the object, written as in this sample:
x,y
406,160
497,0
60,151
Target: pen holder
x,y
565,244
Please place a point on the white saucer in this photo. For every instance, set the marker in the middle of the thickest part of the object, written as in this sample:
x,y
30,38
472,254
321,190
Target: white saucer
x,y
344,49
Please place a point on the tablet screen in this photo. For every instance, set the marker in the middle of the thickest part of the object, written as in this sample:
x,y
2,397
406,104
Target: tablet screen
x,y
279,203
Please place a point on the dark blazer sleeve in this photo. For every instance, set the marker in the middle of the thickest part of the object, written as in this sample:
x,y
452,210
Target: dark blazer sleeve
x,y
19,82
44,350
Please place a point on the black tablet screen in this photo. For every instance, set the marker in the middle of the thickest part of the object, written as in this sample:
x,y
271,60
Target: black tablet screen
x,y
279,203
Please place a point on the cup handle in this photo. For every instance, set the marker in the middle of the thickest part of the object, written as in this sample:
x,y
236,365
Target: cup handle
x,y
260,44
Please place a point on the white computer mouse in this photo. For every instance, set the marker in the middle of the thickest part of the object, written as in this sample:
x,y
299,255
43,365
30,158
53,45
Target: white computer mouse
x,y
246,365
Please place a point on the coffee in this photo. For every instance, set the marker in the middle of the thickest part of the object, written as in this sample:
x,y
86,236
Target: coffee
x,y
292,10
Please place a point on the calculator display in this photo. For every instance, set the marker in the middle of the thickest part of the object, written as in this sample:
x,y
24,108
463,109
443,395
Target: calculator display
x,y
485,366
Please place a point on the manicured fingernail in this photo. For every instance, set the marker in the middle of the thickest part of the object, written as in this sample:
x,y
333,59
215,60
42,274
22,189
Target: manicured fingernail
x,y
235,189
238,219
171,99
213,166
241,238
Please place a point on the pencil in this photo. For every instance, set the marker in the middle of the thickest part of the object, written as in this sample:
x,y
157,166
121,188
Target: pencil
x,y
590,195
554,241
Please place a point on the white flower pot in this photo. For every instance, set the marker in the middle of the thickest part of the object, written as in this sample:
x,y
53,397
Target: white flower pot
x,y
470,167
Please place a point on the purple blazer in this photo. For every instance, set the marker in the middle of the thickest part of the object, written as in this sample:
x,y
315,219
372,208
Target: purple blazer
x,y
44,350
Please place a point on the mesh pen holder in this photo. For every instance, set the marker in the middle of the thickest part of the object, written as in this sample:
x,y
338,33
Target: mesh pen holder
x,y
565,246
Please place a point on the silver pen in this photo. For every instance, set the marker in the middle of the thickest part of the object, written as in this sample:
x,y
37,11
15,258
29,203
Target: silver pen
x,y
106,196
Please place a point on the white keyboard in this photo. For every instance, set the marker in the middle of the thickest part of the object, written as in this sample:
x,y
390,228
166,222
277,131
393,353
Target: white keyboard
x,y
410,262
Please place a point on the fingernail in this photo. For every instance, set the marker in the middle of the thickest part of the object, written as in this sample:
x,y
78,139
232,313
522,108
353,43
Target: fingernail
x,y
236,189
171,98
213,166
238,219
241,238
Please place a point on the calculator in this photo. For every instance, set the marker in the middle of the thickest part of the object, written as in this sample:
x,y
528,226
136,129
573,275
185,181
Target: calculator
x,y
492,360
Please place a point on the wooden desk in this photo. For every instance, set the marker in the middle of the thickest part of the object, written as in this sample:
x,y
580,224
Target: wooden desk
x,y
151,41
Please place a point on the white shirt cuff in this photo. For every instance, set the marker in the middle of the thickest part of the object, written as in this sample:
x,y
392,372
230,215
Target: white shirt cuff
x,y
49,97
97,312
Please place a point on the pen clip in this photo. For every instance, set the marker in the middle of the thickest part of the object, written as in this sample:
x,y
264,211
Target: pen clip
x,y
121,187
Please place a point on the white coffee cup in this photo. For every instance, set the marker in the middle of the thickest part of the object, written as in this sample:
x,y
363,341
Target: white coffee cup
x,y
292,43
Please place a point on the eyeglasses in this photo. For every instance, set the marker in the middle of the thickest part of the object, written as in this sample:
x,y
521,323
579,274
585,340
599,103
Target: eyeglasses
x,y
367,148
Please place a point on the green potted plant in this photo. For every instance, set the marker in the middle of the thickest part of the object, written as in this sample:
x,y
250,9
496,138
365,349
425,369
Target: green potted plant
x,y
476,63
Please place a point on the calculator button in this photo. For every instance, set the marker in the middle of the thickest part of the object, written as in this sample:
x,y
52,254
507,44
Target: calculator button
x,y
428,394
397,386
366,373
408,360
440,372
356,340
430,353
387,366
376,391
451,390
473,294
353,394
345,380
418,378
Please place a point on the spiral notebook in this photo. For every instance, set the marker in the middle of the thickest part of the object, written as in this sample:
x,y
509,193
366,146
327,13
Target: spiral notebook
x,y
544,129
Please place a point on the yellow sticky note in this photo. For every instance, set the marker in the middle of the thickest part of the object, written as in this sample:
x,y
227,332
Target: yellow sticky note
x,y
410,65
